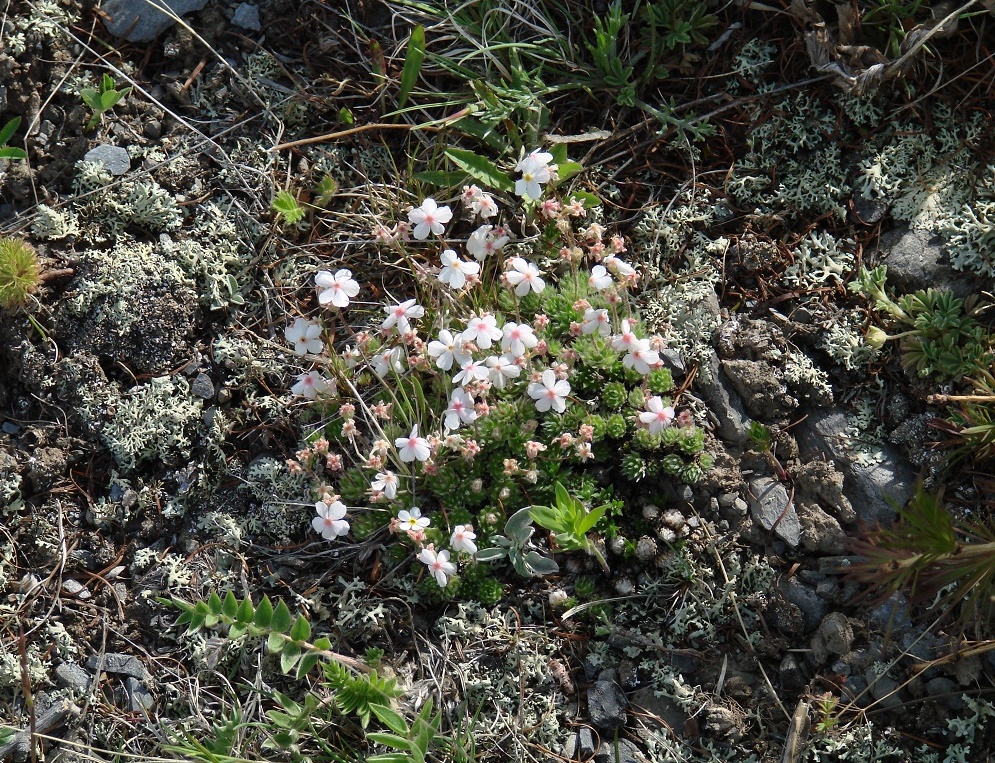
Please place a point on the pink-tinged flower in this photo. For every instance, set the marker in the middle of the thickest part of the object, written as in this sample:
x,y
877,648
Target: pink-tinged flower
x,y
549,392
479,202
576,208
619,267
485,241
599,279
412,447
429,218
333,462
470,449
482,330
524,276
330,522
657,416
550,208
460,410
448,349
533,448
438,564
336,289
585,432
627,339
455,271
517,337
596,321
501,368
312,384
386,482
389,360
305,336
470,372
470,194
399,315
641,358
462,539
584,451
412,519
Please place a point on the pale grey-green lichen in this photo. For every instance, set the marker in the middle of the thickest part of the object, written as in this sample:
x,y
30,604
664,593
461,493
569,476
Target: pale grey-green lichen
x,y
820,260
108,207
54,224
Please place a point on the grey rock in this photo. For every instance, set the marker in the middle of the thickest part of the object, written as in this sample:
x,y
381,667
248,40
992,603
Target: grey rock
x,y
569,749
724,723
760,387
869,487
857,688
791,672
71,676
606,705
139,21
869,211
891,615
247,17
3,98
608,674
152,129
662,708
628,676
672,359
916,260
833,637
72,587
202,387
813,608
773,510
618,751
139,698
116,160
123,664
724,403
585,743
941,686
885,691
820,533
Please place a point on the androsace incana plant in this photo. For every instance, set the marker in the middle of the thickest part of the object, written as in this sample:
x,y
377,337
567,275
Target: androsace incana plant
x,y
943,561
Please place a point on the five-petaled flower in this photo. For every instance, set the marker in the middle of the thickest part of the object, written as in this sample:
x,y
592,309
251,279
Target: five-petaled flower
x,y
411,519
429,218
330,522
536,170
336,289
483,242
386,482
596,321
305,336
641,357
454,270
517,337
599,280
482,330
462,539
657,416
412,447
438,564
399,315
500,368
460,410
312,384
549,392
524,276
447,349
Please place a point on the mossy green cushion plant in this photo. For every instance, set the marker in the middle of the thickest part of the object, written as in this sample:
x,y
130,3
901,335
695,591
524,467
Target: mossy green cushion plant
x,y
20,273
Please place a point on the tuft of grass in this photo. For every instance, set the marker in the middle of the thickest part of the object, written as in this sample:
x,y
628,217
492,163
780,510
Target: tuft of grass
x,y
20,272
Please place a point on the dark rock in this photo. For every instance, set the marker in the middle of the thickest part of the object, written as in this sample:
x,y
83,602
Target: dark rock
x,y
791,673
71,676
140,21
247,17
628,676
585,743
891,615
885,691
772,509
116,160
139,698
123,664
916,260
870,488
152,129
833,637
618,751
202,387
732,423
947,690
662,708
606,705
672,360
812,606
869,211
724,723
760,387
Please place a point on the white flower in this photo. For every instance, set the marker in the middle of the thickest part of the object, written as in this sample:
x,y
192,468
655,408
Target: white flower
x,y
599,279
482,243
389,360
596,320
455,270
386,482
460,410
312,384
330,522
471,371
482,330
625,341
525,276
447,350
438,564
517,337
462,539
619,267
413,447
641,357
429,218
412,520
550,393
536,170
305,336
657,417
400,314
337,289
501,368
485,206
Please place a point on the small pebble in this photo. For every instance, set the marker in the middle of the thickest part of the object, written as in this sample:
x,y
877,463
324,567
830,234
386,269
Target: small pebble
x,y
116,160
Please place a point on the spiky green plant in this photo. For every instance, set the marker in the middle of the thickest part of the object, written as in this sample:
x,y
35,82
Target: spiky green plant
x,y
20,273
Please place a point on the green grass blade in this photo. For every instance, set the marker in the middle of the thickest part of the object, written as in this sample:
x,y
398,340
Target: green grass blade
x,y
8,130
413,60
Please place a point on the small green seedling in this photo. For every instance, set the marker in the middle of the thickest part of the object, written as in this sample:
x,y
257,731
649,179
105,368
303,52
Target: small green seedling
x,y
9,152
570,522
103,99
288,208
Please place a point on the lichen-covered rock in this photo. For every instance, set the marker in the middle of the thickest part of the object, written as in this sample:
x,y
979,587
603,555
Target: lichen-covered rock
x,y
772,509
